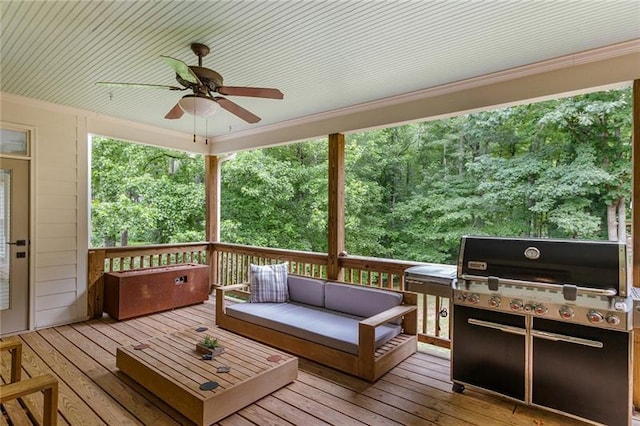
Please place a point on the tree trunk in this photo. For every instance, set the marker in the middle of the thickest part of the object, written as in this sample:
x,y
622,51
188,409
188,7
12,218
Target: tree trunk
x,y
124,238
612,223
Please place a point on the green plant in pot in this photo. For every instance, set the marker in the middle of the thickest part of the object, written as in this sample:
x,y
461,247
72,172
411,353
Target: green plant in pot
x,y
209,345
210,342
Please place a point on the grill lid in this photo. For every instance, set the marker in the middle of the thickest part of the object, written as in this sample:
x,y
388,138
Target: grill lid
x,y
430,278
588,264
432,273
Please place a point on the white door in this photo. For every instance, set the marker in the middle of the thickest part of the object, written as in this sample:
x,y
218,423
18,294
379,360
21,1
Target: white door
x,y
14,245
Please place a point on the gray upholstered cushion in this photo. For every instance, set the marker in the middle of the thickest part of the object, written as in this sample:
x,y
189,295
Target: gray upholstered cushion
x,y
360,301
306,290
269,283
332,329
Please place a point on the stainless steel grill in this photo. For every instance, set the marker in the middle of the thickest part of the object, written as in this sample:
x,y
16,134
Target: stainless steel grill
x,y
545,322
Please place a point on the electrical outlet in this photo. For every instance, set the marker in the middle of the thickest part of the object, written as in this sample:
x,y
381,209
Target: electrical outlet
x,y
180,280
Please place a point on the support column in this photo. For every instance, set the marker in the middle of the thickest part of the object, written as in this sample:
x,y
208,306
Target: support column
x,y
635,231
212,223
336,206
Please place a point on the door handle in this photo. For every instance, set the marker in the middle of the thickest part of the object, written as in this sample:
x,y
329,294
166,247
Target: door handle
x,y
501,327
554,337
17,243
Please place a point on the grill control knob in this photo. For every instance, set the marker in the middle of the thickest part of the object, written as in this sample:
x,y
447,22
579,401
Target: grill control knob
x,y
516,305
461,297
528,308
473,298
595,317
494,301
540,309
613,320
566,312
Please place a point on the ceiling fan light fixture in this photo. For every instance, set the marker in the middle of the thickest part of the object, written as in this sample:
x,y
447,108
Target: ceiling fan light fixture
x,y
199,105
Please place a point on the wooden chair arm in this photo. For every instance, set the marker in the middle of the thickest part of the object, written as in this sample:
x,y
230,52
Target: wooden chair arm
x,y
232,287
25,387
388,315
7,345
46,383
15,347
221,308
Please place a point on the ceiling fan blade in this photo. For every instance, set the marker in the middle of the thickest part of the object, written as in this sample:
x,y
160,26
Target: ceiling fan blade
x,y
182,70
236,109
150,86
176,112
256,92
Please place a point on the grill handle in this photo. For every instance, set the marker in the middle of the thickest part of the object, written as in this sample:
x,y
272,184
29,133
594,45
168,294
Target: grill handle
x,y
569,339
581,290
501,327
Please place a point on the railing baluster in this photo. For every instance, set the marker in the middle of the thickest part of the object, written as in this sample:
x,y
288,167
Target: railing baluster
x,y
425,310
437,317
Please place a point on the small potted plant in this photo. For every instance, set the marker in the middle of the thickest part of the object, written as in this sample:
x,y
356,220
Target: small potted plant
x,y
210,346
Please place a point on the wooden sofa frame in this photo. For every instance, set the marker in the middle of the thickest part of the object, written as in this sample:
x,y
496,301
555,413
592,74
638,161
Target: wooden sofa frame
x,y
370,363
17,388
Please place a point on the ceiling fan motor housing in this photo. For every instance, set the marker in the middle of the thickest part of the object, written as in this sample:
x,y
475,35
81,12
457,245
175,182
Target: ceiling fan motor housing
x,y
208,77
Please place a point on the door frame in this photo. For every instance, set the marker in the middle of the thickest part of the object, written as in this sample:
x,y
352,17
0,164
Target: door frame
x,y
30,157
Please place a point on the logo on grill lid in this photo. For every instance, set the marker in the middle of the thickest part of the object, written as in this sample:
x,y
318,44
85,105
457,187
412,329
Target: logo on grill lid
x,y
482,266
532,253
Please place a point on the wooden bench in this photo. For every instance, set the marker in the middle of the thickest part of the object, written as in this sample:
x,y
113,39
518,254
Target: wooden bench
x,y
17,388
370,363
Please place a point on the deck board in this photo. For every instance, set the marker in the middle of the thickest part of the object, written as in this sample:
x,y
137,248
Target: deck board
x,y
93,391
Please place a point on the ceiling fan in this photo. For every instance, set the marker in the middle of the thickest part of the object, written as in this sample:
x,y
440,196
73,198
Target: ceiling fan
x,y
205,84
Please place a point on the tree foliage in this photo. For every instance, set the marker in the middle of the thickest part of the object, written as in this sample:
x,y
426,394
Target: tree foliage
x,y
559,168
145,195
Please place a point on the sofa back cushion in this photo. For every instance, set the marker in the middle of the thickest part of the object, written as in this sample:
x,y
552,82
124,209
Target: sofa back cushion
x,y
359,300
306,290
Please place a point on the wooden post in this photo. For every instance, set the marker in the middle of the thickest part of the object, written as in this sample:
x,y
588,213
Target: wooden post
x,y
212,226
336,206
635,231
95,283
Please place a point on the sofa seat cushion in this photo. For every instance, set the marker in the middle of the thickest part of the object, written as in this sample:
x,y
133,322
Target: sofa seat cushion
x,y
327,328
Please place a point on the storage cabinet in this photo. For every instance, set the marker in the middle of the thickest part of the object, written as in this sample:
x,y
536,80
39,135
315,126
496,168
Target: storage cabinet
x,y
133,293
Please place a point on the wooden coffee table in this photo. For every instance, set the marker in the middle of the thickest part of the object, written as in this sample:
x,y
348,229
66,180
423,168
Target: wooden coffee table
x,y
171,369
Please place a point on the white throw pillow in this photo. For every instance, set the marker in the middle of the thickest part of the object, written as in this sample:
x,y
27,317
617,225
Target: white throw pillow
x,y
269,283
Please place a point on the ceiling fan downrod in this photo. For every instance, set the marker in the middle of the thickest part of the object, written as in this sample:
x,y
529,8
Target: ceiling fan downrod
x,y
201,50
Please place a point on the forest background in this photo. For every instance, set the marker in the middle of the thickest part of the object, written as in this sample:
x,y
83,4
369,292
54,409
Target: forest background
x,y
559,169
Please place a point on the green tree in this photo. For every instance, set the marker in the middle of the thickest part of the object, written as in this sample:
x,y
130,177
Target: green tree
x,y
143,195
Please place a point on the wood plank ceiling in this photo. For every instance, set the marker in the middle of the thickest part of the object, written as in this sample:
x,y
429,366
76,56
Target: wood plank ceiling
x,y
324,55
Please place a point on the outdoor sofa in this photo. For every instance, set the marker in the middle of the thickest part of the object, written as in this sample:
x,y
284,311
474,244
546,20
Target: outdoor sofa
x,y
360,330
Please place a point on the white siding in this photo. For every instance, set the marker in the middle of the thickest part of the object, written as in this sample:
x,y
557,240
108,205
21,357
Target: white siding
x,y
58,282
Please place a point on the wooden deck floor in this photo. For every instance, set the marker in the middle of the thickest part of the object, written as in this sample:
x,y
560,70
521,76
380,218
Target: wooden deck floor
x,y
94,392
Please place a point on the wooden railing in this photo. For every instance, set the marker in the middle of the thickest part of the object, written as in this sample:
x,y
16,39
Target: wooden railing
x,y
112,259
229,264
233,262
